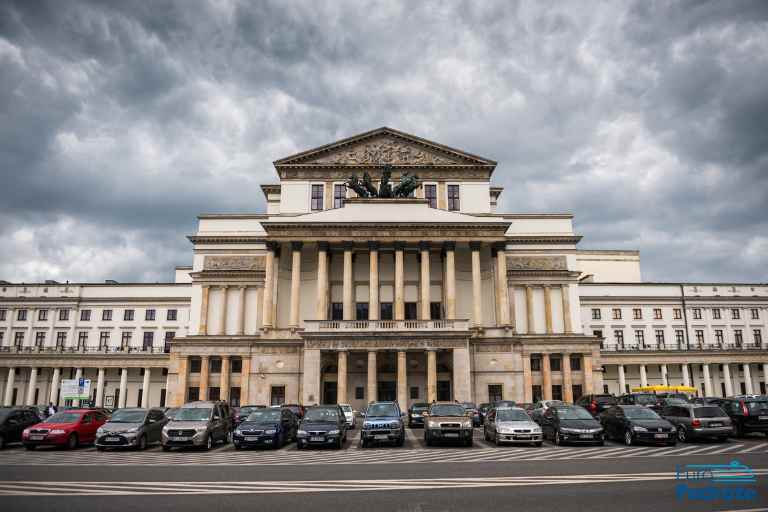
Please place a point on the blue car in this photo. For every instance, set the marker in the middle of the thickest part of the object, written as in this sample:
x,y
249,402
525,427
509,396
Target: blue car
x,y
271,428
383,424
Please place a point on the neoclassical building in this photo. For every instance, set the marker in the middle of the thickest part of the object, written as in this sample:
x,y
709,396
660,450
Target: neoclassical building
x,y
333,296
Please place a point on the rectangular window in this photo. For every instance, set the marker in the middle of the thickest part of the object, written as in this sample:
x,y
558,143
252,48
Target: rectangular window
x,y
63,315
640,337
149,340
125,342
82,339
677,313
39,339
536,393
85,315
42,315
453,198
2,337
194,365
699,337
430,194
169,335
719,336
103,340
577,391
18,339
596,314
361,311
535,364
598,333
758,335
339,194
236,366
575,364
755,313
277,395
716,313
659,336
61,339
554,364
337,311
193,394
637,314
657,314
22,315
172,315
619,335
386,311
149,315
3,314
411,311
697,313
557,392
735,314
738,337
106,315
414,394
215,365
616,314
359,392
128,315
679,337
435,311
317,197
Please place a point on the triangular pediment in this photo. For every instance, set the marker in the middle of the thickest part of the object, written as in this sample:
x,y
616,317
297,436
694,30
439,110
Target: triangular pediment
x,y
382,147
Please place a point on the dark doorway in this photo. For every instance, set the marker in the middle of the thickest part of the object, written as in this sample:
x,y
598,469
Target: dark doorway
x,y
443,390
329,392
387,391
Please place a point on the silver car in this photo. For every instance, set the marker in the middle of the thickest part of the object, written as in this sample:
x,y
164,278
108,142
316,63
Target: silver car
x,y
511,425
349,414
698,421
198,424
131,428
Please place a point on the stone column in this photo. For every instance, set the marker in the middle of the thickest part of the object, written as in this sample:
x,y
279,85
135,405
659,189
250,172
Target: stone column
x,y
55,379
402,380
259,309
527,379
566,297
622,379
179,396
145,387
502,287
341,384
727,379
748,379
372,381
32,386
546,377
707,380
565,366
477,301
204,368
99,402
223,319
78,376
123,388
450,280
512,315
206,291
293,317
276,288
311,381
348,305
424,281
664,375
9,387
686,374
765,373
321,299
531,329
588,381
245,380
224,379
462,387
431,375
240,311
399,281
643,376
267,321
373,281
548,308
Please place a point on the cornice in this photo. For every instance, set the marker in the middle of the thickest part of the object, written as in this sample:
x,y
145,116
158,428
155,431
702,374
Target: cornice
x,y
226,239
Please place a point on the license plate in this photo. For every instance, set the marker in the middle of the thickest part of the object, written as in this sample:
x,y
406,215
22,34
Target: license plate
x,y
451,435
585,436
36,437
180,438
111,439
715,424
660,436
316,439
251,438
381,437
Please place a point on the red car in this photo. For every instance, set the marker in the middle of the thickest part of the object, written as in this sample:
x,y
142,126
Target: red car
x,y
66,428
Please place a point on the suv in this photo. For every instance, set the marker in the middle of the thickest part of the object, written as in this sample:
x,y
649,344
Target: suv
x,y
322,425
198,424
383,423
749,413
13,421
697,421
596,404
448,421
134,428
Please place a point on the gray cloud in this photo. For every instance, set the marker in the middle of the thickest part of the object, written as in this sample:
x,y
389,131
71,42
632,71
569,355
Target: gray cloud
x,y
121,121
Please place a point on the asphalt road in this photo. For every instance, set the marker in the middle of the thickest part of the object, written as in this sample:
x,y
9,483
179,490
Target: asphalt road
x,y
411,478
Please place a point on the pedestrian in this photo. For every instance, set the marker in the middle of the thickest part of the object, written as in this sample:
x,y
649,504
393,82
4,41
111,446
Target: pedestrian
x,y
51,409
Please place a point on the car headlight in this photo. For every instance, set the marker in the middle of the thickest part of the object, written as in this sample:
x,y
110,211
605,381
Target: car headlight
x,y
466,424
132,430
270,432
433,424
536,430
201,429
58,431
238,432
569,430
301,432
639,429
395,425
26,432
333,432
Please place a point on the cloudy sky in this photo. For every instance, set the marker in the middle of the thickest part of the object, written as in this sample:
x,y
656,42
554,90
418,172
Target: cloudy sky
x,y
121,121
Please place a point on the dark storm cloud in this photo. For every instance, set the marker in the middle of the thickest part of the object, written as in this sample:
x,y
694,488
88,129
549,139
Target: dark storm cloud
x,y
120,121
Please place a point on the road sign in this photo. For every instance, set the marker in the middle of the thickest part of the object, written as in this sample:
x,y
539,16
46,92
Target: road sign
x,y
74,389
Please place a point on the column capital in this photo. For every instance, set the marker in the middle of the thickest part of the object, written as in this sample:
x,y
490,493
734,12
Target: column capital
x,y
323,246
449,246
373,246
348,245
499,246
399,246
273,246
296,246
424,246
204,358
475,245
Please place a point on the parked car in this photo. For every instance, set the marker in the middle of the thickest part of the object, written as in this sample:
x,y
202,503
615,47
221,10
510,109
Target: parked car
x,y
643,399
539,407
503,403
511,425
13,421
349,414
706,400
694,421
597,403
416,414
198,424
383,424
266,427
749,413
483,409
171,412
68,429
471,408
322,425
448,421
296,409
571,424
244,411
636,424
134,428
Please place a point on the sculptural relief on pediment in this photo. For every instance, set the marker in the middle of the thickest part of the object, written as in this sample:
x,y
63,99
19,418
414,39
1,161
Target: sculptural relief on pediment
x,y
537,263
384,150
246,263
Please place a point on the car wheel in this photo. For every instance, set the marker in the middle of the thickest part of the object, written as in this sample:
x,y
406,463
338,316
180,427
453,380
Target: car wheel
x,y
2,442
401,440
30,446
469,442
339,443
738,430
428,440
166,448
72,442
363,443
538,445
142,443
237,446
101,448
682,435
496,440
228,438
722,439
208,442
558,440
628,440
299,445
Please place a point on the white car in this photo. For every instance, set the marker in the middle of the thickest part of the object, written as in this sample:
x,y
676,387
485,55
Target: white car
x,y
349,414
511,425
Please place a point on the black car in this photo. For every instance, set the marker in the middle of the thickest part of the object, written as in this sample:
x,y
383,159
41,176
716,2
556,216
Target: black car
x,y
635,424
748,413
322,425
596,404
13,421
643,399
271,427
571,424
416,414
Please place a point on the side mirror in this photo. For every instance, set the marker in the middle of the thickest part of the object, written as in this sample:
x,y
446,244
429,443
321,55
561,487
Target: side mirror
x,y
216,418
425,414
362,415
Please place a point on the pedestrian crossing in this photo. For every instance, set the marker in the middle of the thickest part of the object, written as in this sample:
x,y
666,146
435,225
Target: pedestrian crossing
x,y
414,452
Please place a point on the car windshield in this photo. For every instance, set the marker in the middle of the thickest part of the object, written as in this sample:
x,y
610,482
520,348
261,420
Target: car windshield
x,y
708,412
193,414
573,413
245,411
419,407
171,413
645,399
322,414
346,408
381,410
511,415
552,403
469,405
757,405
264,415
127,416
447,410
64,417
605,399
641,413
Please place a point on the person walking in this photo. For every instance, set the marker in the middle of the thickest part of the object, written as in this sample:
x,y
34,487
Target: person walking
x,y
51,409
